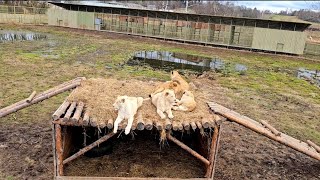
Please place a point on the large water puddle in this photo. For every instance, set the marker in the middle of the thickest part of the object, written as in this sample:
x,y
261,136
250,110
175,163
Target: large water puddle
x,y
11,36
169,61
313,76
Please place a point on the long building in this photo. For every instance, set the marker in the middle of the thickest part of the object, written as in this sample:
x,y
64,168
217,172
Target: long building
x,y
232,32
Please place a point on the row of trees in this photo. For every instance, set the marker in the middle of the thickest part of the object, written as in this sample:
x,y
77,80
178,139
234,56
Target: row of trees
x,y
304,14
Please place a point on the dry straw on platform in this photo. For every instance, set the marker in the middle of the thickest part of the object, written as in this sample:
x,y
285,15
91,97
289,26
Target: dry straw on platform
x,y
99,95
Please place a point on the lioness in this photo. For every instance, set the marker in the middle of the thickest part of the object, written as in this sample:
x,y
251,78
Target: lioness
x,y
176,77
164,102
187,102
175,86
127,107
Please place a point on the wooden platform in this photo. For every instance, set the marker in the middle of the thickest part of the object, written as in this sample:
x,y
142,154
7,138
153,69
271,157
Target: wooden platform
x,y
75,114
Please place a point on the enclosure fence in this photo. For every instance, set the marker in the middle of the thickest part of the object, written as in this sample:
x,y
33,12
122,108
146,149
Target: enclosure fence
x,y
23,15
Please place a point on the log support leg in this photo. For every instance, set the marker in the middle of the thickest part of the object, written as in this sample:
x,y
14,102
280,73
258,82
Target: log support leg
x,y
58,150
213,152
185,147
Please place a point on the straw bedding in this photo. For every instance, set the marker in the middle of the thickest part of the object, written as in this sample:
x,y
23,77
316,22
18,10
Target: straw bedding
x,y
99,95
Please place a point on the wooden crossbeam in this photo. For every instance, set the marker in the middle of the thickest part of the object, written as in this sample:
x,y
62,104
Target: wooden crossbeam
x,y
257,127
89,147
185,147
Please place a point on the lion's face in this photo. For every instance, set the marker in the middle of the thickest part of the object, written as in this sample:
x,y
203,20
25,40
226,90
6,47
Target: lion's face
x,y
170,96
119,102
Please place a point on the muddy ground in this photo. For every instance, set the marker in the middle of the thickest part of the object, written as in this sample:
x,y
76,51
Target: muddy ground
x,y
26,153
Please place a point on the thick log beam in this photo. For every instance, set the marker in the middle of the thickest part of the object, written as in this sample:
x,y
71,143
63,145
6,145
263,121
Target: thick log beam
x,y
213,152
257,127
59,149
40,97
61,110
185,147
89,147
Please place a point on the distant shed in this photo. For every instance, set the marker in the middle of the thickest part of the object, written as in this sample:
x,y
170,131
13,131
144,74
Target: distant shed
x,y
232,32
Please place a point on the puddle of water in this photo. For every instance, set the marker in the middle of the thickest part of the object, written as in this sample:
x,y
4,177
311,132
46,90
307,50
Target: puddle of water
x,y
10,36
313,76
169,61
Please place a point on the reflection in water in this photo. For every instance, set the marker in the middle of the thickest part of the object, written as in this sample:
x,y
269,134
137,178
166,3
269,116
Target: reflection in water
x,y
9,36
169,61
310,75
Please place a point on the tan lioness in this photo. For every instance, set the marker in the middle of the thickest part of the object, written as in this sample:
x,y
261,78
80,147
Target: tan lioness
x,y
176,77
187,102
175,86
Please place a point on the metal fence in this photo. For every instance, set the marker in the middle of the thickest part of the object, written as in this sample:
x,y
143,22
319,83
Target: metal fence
x,y
23,15
312,49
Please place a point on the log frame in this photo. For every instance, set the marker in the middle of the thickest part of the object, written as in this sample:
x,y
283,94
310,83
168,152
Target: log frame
x,y
58,149
213,151
189,150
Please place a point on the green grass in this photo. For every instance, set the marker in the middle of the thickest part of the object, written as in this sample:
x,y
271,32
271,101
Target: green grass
x,y
269,90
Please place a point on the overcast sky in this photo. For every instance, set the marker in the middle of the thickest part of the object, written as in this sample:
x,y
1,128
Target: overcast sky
x,y
276,6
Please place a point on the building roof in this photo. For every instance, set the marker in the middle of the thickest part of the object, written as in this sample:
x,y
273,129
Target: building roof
x,y
254,22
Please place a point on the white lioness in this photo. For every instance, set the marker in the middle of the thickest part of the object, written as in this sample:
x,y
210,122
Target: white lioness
x,y
127,107
164,102
187,102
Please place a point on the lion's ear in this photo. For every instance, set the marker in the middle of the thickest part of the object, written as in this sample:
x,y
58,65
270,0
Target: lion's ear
x,y
123,100
175,84
166,94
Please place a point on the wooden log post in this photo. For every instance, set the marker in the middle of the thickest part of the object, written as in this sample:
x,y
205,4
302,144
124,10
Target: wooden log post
x,y
61,110
102,124
180,126
78,112
89,147
213,152
185,147
94,122
257,127
158,125
198,123
86,118
205,122
59,149
69,112
36,99
272,129
193,125
175,125
149,124
312,144
32,95
168,124
186,125
110,124
140,122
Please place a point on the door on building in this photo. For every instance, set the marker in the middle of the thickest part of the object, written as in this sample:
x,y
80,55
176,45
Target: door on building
x,y
280,46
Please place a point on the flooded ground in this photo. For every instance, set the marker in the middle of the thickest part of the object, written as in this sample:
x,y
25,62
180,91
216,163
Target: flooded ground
x,y
313,76
169,61
10,36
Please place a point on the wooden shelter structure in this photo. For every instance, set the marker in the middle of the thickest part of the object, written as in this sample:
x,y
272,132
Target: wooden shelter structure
x,y
73,114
